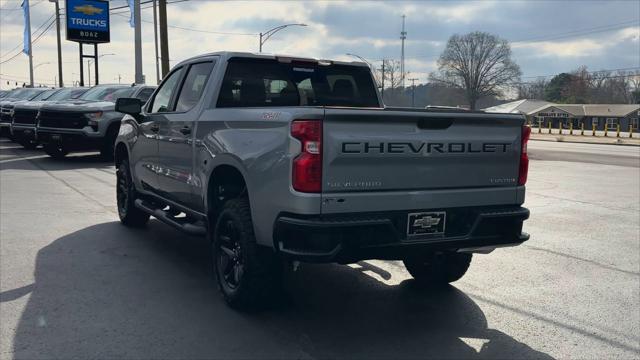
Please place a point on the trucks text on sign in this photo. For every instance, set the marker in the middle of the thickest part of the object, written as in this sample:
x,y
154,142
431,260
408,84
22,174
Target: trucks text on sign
x,y
88,21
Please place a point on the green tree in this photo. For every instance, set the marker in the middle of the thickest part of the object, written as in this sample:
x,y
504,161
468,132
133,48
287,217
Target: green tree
x,y
556,89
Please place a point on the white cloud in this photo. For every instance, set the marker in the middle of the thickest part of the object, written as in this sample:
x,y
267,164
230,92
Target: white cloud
x,y
319,39
580,47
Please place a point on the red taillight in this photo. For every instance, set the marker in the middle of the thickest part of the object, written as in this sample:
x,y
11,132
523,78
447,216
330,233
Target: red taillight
x,y
307,167
524,158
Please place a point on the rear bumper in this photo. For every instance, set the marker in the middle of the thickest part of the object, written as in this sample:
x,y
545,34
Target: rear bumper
x,y
348,238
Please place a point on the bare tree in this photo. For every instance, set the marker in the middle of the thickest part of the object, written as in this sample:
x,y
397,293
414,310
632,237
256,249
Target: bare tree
x,y
578,88
634,80
532,90
478,62
392,75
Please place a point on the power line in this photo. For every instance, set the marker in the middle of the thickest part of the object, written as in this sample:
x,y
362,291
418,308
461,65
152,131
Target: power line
x,y
142,3
578,32
588,72
198,30
38,29
568,34
32,42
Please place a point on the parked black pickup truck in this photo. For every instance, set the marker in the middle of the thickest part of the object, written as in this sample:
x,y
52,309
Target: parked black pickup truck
x,y
23,122
87,123
8,102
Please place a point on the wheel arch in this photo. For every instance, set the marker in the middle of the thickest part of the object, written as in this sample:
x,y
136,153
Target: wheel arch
x,y
225,182
121,153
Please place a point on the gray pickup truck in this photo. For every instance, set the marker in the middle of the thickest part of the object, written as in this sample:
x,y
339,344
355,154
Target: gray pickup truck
x,y
279,159
89,122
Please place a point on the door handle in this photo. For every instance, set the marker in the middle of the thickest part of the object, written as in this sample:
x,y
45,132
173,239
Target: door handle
x,y
185,130
154,127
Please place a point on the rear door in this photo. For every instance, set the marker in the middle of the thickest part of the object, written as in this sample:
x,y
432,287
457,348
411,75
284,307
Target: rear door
x,y
175,143
366,151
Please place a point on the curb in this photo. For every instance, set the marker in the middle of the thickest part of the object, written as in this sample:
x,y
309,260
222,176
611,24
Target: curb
x,y
575,141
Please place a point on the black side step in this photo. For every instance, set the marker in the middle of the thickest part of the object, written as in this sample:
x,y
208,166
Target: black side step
x,y
189,228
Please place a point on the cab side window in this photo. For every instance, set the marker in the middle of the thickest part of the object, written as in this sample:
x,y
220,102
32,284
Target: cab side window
x,y
162,100
193,85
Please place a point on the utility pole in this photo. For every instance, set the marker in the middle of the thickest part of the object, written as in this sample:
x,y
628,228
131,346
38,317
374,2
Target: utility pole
x,y
27,24
138,41
164,38
413,91
382,90
403,36
61,84
155,39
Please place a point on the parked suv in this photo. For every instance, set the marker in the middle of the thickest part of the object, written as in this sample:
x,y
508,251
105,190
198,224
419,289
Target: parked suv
x,y
277,158
23,122
87,123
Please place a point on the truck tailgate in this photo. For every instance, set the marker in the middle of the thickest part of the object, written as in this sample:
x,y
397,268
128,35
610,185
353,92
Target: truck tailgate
x,y
418,152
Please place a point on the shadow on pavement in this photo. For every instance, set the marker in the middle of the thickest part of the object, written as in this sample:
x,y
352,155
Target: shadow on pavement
x,y
22,159
107,291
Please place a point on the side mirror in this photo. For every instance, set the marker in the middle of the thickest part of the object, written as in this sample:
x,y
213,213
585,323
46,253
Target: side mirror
x,y
131,106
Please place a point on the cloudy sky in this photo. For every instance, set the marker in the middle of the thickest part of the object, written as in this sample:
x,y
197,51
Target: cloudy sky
x,y
547,37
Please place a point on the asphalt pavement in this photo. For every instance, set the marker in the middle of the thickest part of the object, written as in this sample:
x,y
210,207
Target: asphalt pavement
x,y
621,155
74,283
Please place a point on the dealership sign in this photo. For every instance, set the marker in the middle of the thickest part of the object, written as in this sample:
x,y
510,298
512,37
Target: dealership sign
x,y
88,21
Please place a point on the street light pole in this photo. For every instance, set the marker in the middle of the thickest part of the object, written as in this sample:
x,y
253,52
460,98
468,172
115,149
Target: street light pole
x,y
43,63
267,34
373,70
89,67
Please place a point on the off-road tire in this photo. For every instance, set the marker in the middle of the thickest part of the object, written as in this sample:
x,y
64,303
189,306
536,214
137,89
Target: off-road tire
x,y
126,196
55,151
438,269
260,282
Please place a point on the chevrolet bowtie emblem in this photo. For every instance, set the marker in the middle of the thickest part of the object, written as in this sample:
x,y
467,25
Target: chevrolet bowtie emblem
x,y
426,222
87,9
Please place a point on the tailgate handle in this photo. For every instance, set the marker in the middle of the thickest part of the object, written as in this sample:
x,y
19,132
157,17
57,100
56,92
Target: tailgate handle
x,y
434,123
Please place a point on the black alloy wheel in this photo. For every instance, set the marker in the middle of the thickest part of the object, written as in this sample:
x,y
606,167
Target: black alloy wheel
x,y
122,191
229,262
128,213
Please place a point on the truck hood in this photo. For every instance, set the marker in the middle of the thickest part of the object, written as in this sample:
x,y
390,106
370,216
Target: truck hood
x,y
10,101
29,105
79,106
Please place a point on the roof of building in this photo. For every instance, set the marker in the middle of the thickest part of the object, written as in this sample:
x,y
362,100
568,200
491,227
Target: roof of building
x,y
530,107
597,110
610,109
518,107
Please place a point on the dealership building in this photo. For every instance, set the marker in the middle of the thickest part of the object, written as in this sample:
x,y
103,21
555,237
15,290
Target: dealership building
x,y
542,113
